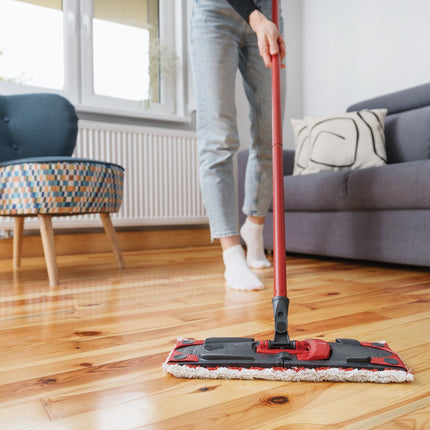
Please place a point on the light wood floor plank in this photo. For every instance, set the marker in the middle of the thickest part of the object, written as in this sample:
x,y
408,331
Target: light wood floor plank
x,y
23,415
87,353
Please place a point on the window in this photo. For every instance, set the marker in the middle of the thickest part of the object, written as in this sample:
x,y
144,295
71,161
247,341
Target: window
x,y
28,55
104,55
121,42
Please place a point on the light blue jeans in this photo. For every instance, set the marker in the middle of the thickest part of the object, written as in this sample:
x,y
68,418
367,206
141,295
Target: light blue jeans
x,y
222,42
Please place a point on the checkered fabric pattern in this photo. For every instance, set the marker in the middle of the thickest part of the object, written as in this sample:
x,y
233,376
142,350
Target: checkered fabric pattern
x,y
71,187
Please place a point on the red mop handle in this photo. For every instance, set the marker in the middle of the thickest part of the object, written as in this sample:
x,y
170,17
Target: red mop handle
x,y
279,260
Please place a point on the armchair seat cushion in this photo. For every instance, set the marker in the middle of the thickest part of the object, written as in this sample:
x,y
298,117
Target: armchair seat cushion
x,y
59,186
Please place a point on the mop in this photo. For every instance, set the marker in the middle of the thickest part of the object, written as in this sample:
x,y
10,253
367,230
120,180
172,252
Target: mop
x,y
345,360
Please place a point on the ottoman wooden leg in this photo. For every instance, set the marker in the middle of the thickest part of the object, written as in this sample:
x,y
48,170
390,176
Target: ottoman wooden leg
x,y
47,233
111,234
18,231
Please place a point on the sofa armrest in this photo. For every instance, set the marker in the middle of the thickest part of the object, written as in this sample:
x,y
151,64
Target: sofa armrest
x,y
288,161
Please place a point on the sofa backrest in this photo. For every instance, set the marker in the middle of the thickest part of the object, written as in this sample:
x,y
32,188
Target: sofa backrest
x,y
407,125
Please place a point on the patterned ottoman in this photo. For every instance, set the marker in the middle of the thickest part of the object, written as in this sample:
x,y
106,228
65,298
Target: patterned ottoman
x,y
63,186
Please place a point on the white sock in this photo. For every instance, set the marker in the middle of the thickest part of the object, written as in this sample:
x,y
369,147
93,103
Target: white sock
x,y
252,234
237,273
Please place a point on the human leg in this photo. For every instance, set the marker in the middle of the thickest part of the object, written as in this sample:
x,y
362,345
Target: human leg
x,y
214,48
258,179
214,61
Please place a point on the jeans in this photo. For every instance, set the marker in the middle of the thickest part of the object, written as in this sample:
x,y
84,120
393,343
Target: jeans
x,y
222,42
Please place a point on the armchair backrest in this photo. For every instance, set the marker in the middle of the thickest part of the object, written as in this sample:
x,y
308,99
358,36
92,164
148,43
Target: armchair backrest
x,y
36,125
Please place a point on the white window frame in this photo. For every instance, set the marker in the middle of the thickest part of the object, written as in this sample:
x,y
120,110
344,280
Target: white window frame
x,y
78,66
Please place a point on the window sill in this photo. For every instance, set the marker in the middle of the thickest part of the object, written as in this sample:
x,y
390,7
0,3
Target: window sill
x,y
183,119
10,88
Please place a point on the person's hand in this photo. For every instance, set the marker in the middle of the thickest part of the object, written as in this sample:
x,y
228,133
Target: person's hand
x,y
270,42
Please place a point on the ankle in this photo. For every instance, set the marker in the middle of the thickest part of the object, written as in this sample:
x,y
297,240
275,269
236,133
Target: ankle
x,y
259,220
229,241
233,255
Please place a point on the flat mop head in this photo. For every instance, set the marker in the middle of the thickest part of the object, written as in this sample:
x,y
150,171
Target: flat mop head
x,y
314,360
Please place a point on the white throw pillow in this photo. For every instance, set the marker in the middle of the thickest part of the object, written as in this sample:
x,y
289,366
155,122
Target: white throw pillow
x,y
352,140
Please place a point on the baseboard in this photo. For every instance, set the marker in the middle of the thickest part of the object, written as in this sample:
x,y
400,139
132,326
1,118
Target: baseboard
x,y
72,243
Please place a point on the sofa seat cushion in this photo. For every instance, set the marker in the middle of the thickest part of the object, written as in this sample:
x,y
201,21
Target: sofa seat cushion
x,y
394,186
325,191
59,186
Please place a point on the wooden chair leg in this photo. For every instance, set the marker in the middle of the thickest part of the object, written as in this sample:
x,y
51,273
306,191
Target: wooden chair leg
x,y
18,231
47,233
111,234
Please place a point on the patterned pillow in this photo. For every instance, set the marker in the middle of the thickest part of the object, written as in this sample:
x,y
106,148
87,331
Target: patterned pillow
x,y
351,140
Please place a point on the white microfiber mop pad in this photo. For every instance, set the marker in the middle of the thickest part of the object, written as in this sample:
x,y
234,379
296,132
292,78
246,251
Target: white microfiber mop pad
x,y
290,375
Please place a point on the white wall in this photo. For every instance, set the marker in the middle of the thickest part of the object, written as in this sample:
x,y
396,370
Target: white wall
x,y
358,49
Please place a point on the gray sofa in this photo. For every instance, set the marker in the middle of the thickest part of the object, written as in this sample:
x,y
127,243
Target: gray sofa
x,y
378,213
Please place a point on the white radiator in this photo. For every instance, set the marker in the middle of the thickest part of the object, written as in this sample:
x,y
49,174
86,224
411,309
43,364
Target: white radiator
x,y
161,184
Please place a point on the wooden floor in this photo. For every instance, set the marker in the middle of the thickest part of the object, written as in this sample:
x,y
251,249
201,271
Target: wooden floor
x,y
87,354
